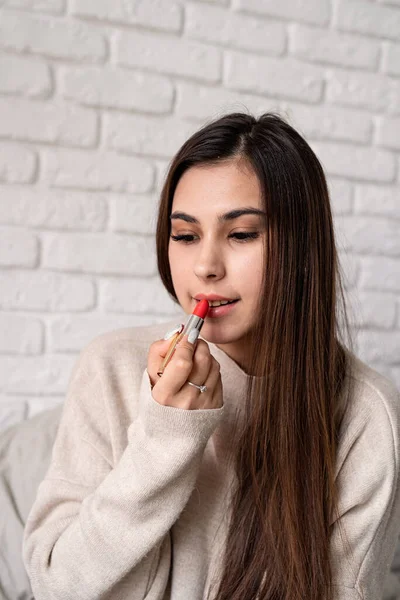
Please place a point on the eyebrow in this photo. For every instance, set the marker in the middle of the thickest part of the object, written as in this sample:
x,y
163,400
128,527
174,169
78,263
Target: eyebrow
x,y
229,216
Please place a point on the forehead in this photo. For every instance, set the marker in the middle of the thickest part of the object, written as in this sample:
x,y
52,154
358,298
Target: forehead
x,y
217,187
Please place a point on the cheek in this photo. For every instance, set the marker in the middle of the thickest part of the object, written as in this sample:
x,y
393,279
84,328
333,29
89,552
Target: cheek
x,y
179,265
248,271
173,264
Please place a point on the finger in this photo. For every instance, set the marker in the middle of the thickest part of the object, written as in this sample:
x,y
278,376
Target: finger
x,y
177,370
211,397
202,362
218,394
215,382
214,375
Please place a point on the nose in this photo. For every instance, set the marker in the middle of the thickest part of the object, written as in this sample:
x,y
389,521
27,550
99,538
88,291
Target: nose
x,y
209,263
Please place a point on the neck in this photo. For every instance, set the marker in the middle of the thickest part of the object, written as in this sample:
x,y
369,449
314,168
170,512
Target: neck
x,y
239,354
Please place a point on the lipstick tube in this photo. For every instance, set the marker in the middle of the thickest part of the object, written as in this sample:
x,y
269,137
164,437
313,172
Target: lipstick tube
x,y
194,321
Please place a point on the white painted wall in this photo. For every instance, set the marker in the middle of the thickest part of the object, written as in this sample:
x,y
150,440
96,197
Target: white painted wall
x,y
95,98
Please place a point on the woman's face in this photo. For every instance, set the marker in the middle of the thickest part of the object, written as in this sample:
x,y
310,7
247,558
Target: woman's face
x,y
216,249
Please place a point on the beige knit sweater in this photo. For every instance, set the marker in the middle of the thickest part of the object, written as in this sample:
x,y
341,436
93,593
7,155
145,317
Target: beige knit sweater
x,y
135,503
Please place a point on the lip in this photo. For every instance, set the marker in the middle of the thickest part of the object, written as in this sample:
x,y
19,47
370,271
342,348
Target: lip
x,y
217,311
221,311
212,297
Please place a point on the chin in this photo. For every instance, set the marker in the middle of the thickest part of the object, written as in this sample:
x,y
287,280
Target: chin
x,y
220,334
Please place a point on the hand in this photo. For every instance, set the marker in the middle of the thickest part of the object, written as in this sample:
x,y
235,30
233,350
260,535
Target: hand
x,y
190,362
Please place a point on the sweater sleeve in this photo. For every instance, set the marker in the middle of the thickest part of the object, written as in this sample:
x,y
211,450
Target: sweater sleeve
x,y
365,535
93,522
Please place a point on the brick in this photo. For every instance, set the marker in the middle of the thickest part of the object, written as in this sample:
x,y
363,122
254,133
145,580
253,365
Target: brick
x,y
25,77
350,266
330,47
44,291
162,168
39,404
49,123
388,133
376,310
166,54
117,88
372,235
380,273
362,90
136,213
12,412
20,335
97,171
155,14
200,103
99,253
394,98
52,209
45,6
47,374
18,248
391,58
71,335
316,12
68,40
329,122
145,135
220,26
17,164
379,346
341,196
355,162
368,18
220,2
285,77
340,238
377,200
149,294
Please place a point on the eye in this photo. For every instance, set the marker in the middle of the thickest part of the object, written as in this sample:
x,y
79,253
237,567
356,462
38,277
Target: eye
x,y
244,236
185,238
239,236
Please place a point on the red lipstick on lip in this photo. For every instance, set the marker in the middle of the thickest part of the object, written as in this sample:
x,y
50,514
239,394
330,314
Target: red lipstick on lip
x,y
218,311
194,321
221,311
201,309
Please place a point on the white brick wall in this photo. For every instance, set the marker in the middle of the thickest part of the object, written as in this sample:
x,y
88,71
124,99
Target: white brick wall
x,y
95,98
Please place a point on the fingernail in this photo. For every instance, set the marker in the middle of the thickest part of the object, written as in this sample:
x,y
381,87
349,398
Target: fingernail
x,y
193,335
172,332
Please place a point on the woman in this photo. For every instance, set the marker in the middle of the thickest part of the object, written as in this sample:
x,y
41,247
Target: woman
x,y
276,482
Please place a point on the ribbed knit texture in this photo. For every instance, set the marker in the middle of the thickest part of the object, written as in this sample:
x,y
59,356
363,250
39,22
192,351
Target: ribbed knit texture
x,y
135,504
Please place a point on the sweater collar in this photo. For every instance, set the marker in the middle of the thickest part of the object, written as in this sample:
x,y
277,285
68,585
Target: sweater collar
x,y
234,380
227,362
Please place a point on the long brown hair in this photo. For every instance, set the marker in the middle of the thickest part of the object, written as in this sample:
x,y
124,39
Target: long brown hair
x,y
285,500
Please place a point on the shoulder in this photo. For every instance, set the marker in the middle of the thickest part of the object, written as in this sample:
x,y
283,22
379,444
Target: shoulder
x,y
379,389
372,415
373,393
367,478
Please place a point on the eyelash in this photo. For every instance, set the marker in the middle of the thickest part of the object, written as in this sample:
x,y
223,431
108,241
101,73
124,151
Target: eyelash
x,y
240,236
